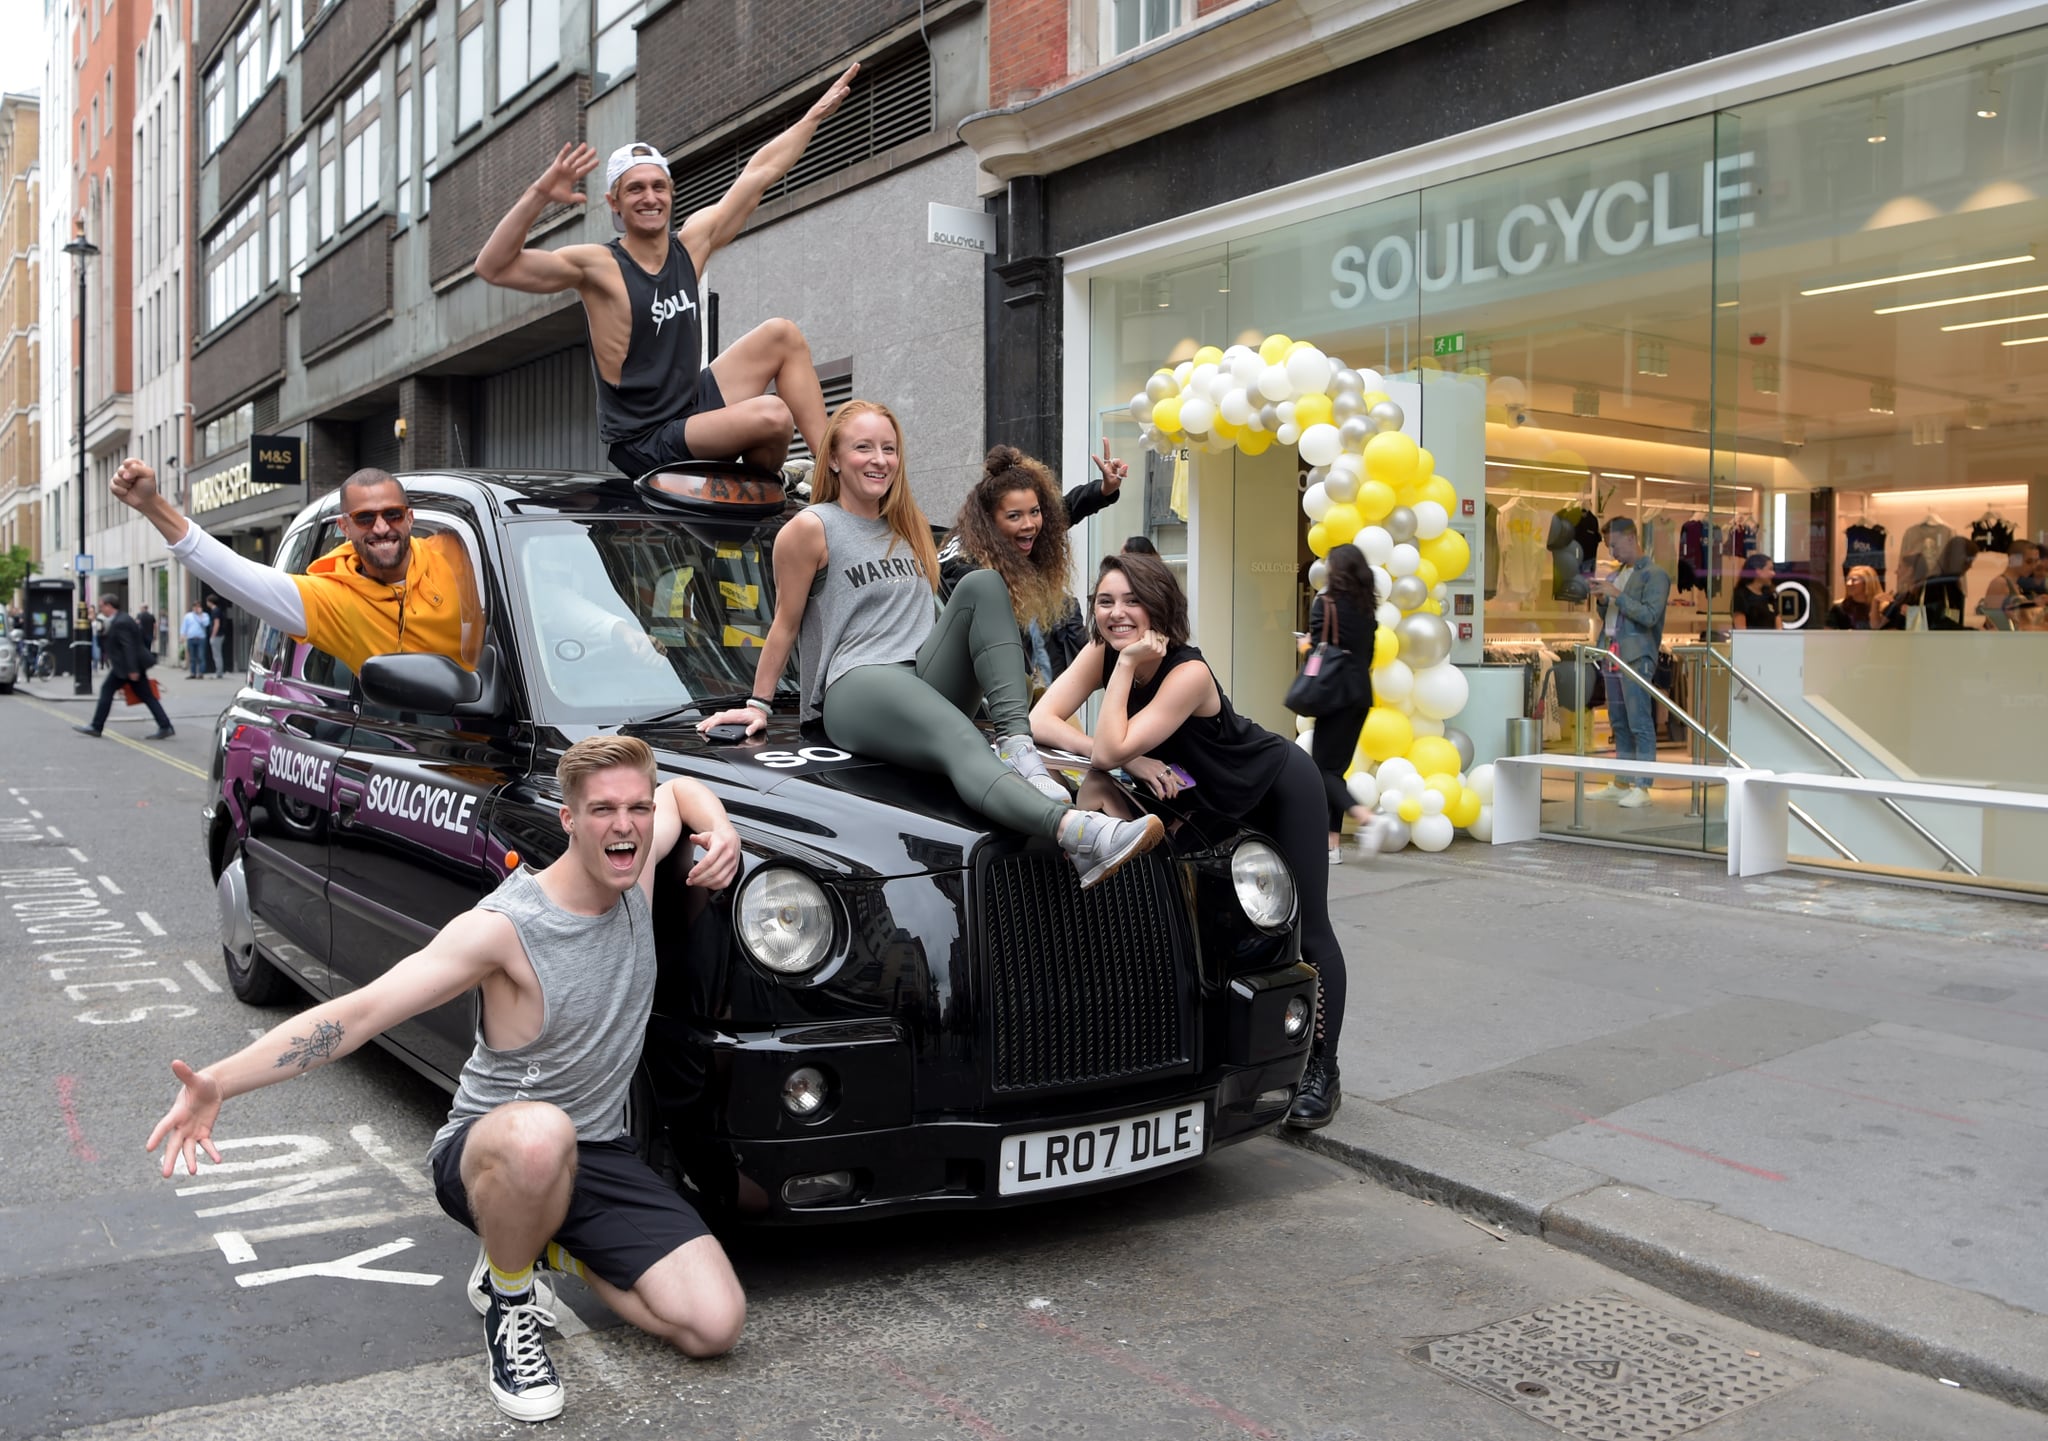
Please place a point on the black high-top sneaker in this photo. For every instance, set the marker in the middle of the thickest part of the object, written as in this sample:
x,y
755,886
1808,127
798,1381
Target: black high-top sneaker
x,y
523,1379
1319,1097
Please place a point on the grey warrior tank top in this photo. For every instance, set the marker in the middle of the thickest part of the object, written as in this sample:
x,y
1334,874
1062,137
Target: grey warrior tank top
x,y
658,381
869,605
596,978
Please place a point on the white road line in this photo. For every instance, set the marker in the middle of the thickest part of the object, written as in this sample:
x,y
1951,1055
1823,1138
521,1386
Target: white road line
x,y
199,974
54,832
77,854
149,924
361,1222
380,1151
235,1246
34,815
112,889
567,1322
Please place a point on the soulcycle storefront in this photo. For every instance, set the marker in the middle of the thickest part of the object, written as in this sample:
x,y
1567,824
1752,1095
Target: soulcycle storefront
x,y
1800,342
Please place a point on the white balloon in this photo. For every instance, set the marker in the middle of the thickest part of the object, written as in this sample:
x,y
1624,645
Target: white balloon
x,y
1245,366
1506,390
1319,443
1303,724
1440,593
1308,370
1285,410
1410,784
1482,829
1387,615
1371,380
1307,741
1424,725
1341,485
1287,435
1200,379
1196,416
1432,833
1402,562
1365,791
1392,683
1480,783
1274,384
1319,574
1431,519
1181,373
1141,408
1378,547
1349,461
1316,502
1237,409
1382,580
1432,803
1393,768
1441,691
1222,385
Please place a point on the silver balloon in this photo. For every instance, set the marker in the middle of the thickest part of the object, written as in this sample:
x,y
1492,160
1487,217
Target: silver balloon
x,y
1387,415
1347,405
1394,834
1406,594
1319,576
1464,744
1341,486
1317,474
1347,382
1159,387
1400,524
1269,416
1354,433
1425,638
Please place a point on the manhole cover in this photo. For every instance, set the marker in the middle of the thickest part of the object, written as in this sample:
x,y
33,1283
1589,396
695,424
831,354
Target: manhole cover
x,y
1608,1369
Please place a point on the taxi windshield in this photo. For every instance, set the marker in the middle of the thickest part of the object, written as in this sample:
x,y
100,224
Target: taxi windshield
x,y
632,616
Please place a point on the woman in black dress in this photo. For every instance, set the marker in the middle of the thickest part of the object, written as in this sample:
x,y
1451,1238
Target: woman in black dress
x,y
1756,597
1349,601
1163,716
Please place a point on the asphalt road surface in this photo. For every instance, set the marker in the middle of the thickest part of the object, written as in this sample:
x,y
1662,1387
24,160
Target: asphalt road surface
x,y
310,1285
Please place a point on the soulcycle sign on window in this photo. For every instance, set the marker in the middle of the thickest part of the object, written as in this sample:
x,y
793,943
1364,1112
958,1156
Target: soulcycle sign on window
x,y
1581,227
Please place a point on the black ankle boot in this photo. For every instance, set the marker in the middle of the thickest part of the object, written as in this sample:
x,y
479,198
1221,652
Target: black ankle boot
x,y
1319,1097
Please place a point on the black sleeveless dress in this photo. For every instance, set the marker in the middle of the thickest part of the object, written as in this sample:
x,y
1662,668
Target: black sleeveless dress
x,y
1234,761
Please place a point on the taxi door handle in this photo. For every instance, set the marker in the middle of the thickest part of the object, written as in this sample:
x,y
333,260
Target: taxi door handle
x,y
347,796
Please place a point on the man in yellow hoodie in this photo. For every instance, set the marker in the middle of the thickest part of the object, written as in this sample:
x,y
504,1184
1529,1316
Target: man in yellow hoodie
x,y
381,593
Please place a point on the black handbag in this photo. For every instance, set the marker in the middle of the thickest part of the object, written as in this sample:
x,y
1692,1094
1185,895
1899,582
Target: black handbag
x,y
1331,680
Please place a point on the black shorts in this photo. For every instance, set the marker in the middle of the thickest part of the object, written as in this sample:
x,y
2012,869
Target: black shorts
x,y
665,444
622,1217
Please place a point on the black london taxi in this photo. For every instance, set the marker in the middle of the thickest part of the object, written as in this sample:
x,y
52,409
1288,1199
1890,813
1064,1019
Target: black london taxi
x,y
892,1008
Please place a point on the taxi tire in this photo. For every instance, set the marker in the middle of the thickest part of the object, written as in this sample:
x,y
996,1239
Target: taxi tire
x,y
254,980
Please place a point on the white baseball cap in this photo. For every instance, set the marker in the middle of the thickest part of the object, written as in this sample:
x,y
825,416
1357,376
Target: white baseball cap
x,y
626,157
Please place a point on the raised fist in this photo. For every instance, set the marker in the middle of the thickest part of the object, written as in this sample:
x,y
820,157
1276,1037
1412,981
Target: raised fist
x,y
134,483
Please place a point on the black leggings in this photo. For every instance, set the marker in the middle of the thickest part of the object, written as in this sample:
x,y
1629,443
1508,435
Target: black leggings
x,y
1292,814
1335,743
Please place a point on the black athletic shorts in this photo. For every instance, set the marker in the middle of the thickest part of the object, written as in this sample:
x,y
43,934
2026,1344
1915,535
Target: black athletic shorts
x,y
665,444
622,1217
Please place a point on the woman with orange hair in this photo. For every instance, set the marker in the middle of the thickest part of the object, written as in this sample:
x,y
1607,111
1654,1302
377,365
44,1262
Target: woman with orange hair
x,y
891,675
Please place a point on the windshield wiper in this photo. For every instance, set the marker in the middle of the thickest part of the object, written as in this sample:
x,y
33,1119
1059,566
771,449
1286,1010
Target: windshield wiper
x,y
705,706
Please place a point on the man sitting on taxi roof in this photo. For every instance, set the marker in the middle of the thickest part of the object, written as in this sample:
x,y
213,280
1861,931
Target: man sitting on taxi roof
x,y
381,593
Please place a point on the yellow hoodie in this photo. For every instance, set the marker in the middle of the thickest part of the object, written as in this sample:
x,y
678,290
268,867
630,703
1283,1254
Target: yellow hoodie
x,y
353,617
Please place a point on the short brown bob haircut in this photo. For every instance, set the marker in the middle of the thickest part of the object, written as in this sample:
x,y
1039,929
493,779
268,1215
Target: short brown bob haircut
x,y
1153,586
601,753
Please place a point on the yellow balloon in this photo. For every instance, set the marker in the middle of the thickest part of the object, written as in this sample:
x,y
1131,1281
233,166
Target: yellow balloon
x,y
1410,809
1319,540
1312,409
1443,784
1466,811
1342,524
1496,415
1432,607
1374,397
1427,573
1389,457
1274,349
1386,733
1375,500
1255,442
1447,554
1436,488
1433,755
1209,355
1425,465
1428,362
1223,429
1166,414
1385,646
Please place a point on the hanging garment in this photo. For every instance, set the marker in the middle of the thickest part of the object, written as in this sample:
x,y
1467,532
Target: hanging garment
x,y
1864,545
1992,532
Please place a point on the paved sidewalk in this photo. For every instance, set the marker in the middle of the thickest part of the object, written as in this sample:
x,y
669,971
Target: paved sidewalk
x,y
1814,1102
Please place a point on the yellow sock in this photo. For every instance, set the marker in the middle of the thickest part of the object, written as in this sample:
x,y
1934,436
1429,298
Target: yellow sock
x,y
568,1265
511,1283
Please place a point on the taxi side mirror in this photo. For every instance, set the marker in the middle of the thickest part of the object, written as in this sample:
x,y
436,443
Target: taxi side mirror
x,y
428,683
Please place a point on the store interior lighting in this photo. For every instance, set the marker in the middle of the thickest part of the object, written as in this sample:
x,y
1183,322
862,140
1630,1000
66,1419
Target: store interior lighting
x,y
1959,300
2025,340
1884,400
1764,376
1652,358
1585,400
1162,294
2002,320
1795,433
1876,134
1919,275
1988,96
1976,416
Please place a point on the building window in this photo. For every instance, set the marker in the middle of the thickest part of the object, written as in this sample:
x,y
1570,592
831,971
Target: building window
x,y
1137,22
274,227
404,138
248,65
616,45
469,75
330,177
430,113
215,116
233,262
362,175
227,431
295,215
529,43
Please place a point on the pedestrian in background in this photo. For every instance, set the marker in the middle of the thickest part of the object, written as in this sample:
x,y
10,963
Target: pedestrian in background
x,y
216,637
1632,602
1347,605
128,663
192,630
146,619
224,636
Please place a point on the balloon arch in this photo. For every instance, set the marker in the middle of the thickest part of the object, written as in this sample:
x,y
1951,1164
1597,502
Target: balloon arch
x,y
1370,486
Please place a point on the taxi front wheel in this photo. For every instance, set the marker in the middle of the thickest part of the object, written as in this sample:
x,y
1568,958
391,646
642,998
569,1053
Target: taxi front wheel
x,y
254,980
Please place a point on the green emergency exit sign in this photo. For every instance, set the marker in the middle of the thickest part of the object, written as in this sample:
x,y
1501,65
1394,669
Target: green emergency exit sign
x,y
1453,344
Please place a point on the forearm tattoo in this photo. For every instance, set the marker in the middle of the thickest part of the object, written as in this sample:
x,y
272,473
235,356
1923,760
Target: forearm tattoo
x,y
306,1052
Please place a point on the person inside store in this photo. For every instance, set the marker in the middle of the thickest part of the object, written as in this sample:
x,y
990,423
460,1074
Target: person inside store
x,y
657,402
535,1156
2005,605
1140,545
1864,604
2033,584
1015,522
1345,605
890,674
1941,594
1756,592
380,592
1632,602
1163,711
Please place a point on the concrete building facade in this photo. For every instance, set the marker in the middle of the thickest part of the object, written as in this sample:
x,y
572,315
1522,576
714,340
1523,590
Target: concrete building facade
x,y
159,240
20,335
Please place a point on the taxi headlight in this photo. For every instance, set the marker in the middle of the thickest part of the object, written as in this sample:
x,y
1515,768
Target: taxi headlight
x,y
784,920
1264,888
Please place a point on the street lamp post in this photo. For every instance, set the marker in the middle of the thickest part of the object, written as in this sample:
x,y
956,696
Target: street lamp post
x,y
81,636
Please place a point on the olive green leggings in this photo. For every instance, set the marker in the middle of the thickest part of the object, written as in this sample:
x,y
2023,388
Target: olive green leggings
x,y
916,714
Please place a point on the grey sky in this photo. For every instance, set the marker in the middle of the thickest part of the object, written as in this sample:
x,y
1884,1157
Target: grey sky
x,y
21,58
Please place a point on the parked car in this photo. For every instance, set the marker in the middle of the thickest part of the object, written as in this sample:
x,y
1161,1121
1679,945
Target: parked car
x,y
10,664
894,1007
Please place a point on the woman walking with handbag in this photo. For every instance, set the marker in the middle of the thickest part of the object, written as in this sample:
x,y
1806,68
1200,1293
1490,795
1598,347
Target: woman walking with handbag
x,y
1339,618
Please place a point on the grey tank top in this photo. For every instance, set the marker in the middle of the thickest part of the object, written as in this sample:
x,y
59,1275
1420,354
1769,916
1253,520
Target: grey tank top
x,y
596,978
659,380
869,605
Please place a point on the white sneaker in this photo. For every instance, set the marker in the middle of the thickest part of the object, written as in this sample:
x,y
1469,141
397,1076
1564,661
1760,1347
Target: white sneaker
x,y
1021,756
1610,792
1636,799
1336,855
1369,837
1099,844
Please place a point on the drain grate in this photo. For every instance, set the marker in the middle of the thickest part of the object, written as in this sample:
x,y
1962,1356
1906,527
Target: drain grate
x,y
1608,1369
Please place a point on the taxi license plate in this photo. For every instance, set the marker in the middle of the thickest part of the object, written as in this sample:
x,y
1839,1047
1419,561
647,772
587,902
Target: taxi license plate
x,y
1047,1160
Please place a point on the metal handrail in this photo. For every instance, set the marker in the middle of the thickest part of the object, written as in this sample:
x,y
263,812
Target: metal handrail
x,y
1599,657
1820,744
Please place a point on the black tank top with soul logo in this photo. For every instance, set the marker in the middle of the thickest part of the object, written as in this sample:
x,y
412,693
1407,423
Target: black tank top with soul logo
x,y
658,381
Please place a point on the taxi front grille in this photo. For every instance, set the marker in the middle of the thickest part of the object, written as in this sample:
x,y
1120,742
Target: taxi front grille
x,y
1081,985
